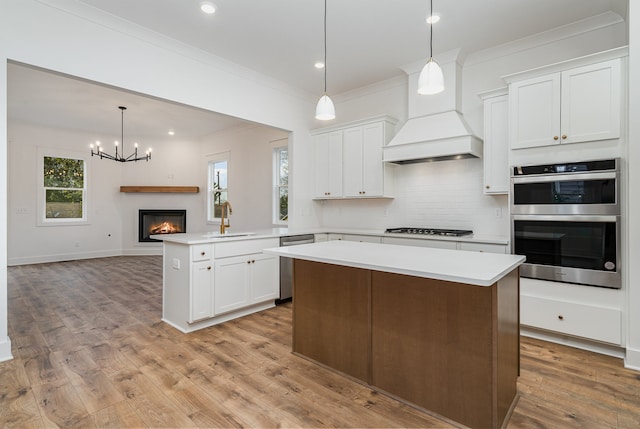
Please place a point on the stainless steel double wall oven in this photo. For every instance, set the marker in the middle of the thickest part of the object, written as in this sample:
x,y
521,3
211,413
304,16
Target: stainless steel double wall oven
x,y
566,221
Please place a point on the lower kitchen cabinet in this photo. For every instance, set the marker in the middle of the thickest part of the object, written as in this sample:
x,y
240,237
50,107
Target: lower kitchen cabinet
x,y
447,244
201,291
420,242
362,238
244,280
581,320
209,283
563,310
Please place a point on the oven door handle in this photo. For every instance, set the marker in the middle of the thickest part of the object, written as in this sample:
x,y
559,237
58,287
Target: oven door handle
x,y
568,218
566,177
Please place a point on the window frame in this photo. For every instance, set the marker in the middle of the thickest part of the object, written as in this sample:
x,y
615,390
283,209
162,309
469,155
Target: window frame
x,y
277,186
42,219
211,162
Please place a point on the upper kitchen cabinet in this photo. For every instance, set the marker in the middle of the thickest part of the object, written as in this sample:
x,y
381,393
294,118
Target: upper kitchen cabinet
x,y
576,101
357,171
495,155
328,164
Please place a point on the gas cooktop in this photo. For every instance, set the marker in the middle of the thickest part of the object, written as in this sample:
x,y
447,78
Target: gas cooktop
x,y
430,231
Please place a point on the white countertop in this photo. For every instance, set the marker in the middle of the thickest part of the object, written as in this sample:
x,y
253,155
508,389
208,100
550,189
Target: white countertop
x,y
213,237
476,268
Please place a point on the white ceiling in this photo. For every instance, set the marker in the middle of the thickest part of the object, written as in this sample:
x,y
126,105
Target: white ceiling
x,y
368,41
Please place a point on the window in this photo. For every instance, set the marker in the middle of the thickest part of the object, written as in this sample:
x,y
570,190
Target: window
x,y
281,188
63,191
217,188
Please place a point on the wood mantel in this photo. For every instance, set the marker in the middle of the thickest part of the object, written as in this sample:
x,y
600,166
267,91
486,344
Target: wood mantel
x,y
161,189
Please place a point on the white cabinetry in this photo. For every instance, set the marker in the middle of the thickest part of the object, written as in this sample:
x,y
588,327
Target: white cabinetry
x,y
247,277
201,291
580,311
447,244
575,105
363,174
205,284
328,164
362,238
496,141
348,159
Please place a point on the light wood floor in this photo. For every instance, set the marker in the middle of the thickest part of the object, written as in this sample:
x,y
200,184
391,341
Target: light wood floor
x,y
90,351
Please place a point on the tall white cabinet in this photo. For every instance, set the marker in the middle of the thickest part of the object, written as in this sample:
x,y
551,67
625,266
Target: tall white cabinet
x,y
348,159
495,155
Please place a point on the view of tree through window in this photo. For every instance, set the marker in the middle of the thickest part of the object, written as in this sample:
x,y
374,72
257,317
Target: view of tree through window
x,y
282,185
218,192
64,186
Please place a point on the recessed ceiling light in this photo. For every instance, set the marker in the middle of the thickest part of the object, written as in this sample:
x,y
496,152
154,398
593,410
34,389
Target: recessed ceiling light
x,y
319,65
171,132
433,19
208,7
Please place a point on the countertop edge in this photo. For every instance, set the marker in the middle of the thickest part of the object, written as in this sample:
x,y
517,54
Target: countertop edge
x,y
359,261
199,237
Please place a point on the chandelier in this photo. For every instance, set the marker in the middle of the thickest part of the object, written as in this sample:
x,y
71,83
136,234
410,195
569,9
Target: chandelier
x,y
99,150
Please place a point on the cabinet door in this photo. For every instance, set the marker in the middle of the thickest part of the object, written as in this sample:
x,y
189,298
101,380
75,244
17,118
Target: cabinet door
x,y
264,273
591,102
496,145
534,112
231,283
352,147
372,166
328,164
201,295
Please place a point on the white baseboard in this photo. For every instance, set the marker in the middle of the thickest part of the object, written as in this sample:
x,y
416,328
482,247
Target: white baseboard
x,y
62,257
632,359
142,251
5,350
578,343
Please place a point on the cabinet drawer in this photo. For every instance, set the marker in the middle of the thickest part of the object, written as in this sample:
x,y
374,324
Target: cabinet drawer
x,y
362,238
483,247
587,321
201,252
244,247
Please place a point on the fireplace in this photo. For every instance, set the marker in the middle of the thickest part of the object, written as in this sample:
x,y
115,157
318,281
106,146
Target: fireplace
x,y
160,222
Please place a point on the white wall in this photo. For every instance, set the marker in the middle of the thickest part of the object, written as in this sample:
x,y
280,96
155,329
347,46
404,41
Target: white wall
x,y
78,40
633,305
112,227
424,192
250,180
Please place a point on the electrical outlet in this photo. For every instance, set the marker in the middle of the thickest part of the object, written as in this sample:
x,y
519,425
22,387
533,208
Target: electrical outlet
x,y
175,263
498,213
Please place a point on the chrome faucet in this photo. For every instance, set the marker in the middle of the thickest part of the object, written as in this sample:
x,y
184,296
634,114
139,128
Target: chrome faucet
x,y
225,211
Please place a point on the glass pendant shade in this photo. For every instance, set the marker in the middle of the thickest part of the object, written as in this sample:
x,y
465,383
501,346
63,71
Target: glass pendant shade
x,y
325,110
431,80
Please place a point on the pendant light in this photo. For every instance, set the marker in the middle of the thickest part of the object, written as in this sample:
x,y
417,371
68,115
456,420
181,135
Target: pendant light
x,y
431,80
119,157
325,110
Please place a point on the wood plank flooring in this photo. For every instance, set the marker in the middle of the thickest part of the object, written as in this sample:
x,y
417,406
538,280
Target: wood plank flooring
x,y
90,351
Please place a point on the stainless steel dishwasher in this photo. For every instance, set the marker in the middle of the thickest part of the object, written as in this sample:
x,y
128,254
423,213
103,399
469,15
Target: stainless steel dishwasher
x,y
286,265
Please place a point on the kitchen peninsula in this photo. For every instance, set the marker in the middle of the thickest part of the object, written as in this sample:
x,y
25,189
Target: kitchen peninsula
x,y
437,328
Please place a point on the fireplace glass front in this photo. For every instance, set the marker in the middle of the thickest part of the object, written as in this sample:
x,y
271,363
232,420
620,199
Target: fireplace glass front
x,y
152,222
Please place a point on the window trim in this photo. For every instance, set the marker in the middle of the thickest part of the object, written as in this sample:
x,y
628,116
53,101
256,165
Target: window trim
x,y
41,206
211,161
275,199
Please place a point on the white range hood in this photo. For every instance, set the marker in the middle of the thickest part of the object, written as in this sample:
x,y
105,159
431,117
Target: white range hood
x,y
435,130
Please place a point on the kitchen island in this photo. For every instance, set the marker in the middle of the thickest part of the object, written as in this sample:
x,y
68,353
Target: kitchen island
x,y
436,328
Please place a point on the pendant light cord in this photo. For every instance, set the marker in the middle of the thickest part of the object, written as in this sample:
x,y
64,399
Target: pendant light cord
x,y
325,47
430,32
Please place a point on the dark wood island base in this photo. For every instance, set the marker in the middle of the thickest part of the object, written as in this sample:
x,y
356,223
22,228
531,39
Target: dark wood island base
x,y
449,348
